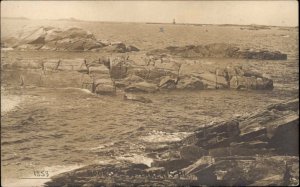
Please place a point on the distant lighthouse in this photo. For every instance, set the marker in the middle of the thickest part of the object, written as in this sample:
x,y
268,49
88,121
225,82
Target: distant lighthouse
x,y
174,21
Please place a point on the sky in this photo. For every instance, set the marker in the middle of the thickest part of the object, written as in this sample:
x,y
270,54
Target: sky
x,y
278,13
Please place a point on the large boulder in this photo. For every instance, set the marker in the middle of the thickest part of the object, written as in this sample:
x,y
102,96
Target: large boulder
x,y
34,37
72,39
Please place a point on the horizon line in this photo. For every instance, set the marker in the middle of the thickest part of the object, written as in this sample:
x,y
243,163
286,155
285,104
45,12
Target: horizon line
x,y
171,22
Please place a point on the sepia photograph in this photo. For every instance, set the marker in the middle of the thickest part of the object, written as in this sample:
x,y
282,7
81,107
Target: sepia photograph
x,y
149,93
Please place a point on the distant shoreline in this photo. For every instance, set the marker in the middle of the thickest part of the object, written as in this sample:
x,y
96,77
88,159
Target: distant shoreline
x,y
158,23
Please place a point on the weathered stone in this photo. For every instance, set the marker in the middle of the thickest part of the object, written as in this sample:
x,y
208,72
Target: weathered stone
x,y
190,83
238,82
104,86
155,74
140,71
77,64
141,87
100,69
118,68
212,79
167,83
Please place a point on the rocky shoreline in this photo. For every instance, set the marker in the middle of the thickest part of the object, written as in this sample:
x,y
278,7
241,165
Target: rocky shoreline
x,y
254,149
258,149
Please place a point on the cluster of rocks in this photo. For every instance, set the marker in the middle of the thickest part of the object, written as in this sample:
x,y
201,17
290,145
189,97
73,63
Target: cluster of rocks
x,y
219,50
169,74
146,75
78,73
260,149
55,39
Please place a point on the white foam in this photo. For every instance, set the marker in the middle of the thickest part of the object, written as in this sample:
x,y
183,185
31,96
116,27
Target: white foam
x,y
159,136
9,103
137,159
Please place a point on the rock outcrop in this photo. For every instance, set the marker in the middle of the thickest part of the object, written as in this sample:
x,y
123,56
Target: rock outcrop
x,y
219,50
55,39
129,74
78,73
175,74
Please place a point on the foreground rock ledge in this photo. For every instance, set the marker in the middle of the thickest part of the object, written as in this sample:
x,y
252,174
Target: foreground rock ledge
x,y
259,149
